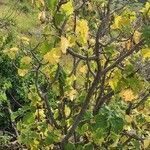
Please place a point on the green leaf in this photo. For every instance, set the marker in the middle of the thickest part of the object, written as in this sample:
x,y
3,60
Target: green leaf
x,y
3,96
88,146
109,50
51,138
101,123
134,83
146,34
28,118
45,47
59,17
51,4
70,146
117,124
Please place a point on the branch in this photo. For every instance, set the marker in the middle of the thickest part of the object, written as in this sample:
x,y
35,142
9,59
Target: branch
x,y
13,124
14,99
44,97
101,31
133,135
89,93
75,65
142,100
101,100
83,109
89,68
121,58
71,52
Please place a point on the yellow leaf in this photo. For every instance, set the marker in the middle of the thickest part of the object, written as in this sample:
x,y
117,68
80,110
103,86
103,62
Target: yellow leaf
x,y
146,9
72,94
26,60
146,143
83,69
11,52
25,40
22,72
36,142
113,83
34,145
128,44
82,30
42,16
128,118
14,49
119,22
146,52
128,95
67,111
68,8
136,37
40,113
52,56
42,2
64,44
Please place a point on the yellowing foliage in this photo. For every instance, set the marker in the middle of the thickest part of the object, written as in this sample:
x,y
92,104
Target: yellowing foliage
x,y
128,118
83,69
52,56
68,8
117,22
40,113
42,16
146,52
22,72
62,100
11,52
136,37
64,44
67,111
72,94
26,60
82,30
146,9
42,2
25,40
128,95
123,20
129,44
146,143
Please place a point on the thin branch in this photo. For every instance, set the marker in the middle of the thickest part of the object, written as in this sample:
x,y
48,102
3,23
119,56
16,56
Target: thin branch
x,y
15,100
44,97
82,57
89,68
83,109
142,100
100,33
121,58
75,65
133,135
